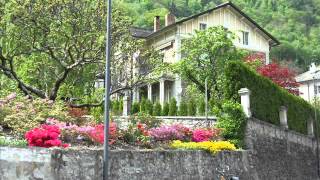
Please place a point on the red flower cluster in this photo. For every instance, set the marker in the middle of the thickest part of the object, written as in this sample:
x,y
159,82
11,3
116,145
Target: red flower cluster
x,y
97,134
142,129
45,136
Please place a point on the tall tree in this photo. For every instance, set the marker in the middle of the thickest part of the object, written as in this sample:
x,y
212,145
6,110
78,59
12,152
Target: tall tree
x,y
49,45
205,55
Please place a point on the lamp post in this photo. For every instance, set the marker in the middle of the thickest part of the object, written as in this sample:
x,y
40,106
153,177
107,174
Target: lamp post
x,y
107,95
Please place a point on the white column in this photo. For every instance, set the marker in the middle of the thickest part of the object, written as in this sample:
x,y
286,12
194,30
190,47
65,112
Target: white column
x,y
126,105
161,91
150,92
267,57
245,101
283,117
177,89
136,95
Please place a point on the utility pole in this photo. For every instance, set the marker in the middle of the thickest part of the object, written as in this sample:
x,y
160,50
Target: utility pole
x,y
107,95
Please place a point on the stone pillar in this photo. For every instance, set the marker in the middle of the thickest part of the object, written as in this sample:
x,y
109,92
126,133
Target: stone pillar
x,y
126,105
283,117
245,101
311,127
161,91
150,92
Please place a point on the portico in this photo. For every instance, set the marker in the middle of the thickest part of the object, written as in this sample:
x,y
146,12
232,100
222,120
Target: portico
x,y
161,91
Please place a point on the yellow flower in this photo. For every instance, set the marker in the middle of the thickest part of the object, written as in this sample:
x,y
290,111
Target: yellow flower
x,y
210,146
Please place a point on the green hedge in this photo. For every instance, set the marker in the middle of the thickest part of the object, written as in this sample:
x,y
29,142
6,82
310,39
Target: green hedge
x,y
266,97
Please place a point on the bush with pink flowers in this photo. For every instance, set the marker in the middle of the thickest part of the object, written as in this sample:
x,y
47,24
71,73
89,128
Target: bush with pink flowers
x,y
45,136
93,134
171,132
200,135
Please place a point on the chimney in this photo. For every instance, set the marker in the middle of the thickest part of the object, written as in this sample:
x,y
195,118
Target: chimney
x,y
156,23
170,19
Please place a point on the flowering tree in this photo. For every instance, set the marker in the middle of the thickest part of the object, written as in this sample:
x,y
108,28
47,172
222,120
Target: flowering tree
x,y
281,75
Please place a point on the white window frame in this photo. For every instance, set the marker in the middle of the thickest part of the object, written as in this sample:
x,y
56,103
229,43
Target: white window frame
x,y
245,38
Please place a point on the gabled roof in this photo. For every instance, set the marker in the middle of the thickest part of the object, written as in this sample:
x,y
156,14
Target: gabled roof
x,y
308,76
274,43
140,32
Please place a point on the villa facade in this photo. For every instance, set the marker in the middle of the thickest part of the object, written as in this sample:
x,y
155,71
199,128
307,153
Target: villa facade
x,y
250,36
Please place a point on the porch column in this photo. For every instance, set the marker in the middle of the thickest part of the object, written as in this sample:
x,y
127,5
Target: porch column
x,y
126,106
136,95
161,92
150,92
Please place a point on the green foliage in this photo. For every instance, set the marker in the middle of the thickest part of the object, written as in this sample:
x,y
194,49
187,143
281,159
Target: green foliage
x,y
22,114
266,97
143,107
165,109
135,108
149,107
115,107
143,118
12,142
201,107
156,109
232,120
172,107
97,113
192,107
183,108
120,110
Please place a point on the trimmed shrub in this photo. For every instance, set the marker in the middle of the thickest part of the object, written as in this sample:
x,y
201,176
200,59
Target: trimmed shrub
x,y
266,97
183,108
120,108
143,105
165,110
148,107
201,107
192,108
156,109
232,120
172,107
115,107
135,108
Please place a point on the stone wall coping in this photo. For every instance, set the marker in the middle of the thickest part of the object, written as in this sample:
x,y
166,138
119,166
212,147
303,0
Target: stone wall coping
x,y
211,118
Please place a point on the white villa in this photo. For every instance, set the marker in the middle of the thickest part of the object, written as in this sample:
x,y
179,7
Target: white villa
x,y
168,39
309,81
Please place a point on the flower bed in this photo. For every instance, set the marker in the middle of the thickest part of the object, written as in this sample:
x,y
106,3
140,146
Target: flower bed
x,y
45,124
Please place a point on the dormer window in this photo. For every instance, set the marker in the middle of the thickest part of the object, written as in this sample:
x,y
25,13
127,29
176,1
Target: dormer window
x,y
203,26
245,38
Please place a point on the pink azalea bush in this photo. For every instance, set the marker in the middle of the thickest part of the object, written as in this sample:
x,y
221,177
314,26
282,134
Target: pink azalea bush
x,y
200,135
94,132
45,136
171,132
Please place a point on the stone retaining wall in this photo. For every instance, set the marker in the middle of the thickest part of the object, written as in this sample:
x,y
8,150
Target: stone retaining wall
x,y
273,154
72,164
